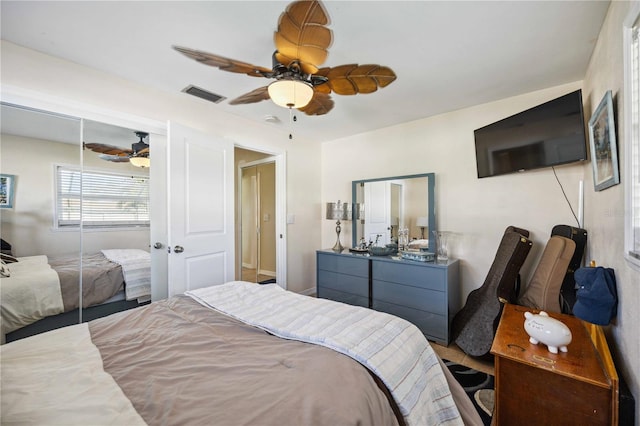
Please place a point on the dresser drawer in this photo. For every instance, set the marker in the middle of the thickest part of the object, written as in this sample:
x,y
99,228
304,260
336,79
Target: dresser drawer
x,y
358,266
412,297
425,294
432,325
433,278
340,296
343,283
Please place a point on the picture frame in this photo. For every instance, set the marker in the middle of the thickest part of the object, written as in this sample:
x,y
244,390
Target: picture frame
x,y
602,142
7,191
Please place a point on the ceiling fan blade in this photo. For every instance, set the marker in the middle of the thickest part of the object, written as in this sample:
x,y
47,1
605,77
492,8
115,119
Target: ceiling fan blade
x,y
302,35
225,64
108,149
320,104
323,87
353,79
257,95
114,158
143,152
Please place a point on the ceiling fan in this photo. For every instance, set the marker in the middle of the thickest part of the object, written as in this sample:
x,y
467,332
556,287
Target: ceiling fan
x,y
138,155
301,41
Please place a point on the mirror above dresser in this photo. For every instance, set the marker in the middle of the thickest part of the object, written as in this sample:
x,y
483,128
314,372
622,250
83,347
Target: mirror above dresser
x,y
384,206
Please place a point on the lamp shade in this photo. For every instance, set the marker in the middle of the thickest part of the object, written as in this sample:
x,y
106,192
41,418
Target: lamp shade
x,y
290,93
143,162
422,221
338,211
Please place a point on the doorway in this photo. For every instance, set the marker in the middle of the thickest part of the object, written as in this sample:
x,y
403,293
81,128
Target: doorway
x,y
256,218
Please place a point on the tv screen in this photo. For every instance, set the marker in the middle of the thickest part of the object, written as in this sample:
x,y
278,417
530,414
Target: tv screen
x,y
546,135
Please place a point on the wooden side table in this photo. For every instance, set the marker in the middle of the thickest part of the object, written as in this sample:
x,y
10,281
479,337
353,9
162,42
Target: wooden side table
x,y
535,386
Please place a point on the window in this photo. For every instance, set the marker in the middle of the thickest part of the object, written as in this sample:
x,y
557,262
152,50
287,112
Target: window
x,y
632,132
107,200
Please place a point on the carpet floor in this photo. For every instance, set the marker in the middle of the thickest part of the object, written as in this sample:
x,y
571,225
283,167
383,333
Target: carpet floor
x,y
478,385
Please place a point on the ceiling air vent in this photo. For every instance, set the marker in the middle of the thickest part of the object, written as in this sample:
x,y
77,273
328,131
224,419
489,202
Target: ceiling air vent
x,y
201,93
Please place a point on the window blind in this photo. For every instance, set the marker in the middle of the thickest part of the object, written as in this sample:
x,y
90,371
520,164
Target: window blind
x,y
105,199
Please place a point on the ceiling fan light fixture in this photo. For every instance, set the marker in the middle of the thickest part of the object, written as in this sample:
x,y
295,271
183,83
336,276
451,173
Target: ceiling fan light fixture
x,y
143,162
289,93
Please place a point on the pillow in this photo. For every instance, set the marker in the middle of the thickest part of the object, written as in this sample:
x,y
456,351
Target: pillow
x,y
4,270
7,258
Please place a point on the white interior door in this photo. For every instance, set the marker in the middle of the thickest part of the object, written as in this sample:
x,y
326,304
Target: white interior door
x,y
200,198
376,221
158,214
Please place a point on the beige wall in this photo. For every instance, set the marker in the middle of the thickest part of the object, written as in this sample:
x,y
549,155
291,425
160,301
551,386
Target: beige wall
x,y
477,210
29,225
604,210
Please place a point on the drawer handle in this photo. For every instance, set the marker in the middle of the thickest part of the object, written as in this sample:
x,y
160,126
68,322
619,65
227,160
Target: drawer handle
x,y
544,359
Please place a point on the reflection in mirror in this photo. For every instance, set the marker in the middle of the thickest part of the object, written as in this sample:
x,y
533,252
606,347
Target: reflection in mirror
x,y
59,249
385,207
33,142
116,263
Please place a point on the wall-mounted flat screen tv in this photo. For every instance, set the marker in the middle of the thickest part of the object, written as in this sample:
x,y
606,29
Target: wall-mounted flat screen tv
x,y
546,135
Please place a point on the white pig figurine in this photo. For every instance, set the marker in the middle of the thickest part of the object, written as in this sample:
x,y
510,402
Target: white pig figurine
x,y
542,328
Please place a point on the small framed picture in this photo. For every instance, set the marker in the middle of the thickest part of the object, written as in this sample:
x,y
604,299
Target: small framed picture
x,y
602,140
7,191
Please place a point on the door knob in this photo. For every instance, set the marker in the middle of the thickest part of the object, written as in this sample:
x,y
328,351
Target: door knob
x,y
178,249
157,245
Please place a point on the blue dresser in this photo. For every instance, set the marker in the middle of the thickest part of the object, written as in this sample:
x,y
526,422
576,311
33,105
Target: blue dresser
x,y
425,293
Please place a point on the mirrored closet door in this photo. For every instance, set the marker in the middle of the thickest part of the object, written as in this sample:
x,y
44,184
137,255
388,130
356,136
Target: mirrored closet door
x,y
34,143
115,223
78,220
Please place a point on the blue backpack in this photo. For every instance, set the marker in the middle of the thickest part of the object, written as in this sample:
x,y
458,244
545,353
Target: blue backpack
x,y
597,297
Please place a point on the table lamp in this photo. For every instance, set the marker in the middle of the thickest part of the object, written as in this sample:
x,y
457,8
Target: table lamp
x,y
422,222
338,211
393,224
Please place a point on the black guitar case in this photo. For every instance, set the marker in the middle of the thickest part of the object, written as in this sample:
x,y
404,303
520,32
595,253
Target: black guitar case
x,y
568,289
474,326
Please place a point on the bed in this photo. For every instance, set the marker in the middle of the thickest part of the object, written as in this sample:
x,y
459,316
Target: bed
x,y
42,293
239,353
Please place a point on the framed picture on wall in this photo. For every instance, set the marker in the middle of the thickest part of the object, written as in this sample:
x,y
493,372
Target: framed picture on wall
x,y
602,140
7,190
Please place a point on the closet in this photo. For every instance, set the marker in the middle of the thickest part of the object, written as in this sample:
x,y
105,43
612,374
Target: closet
x,y
69,204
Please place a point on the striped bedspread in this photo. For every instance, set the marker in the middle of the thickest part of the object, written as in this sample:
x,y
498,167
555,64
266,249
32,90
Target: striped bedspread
x,y
136,269
394,349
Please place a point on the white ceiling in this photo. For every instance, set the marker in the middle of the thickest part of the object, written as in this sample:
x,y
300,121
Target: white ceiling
x,y
447,55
